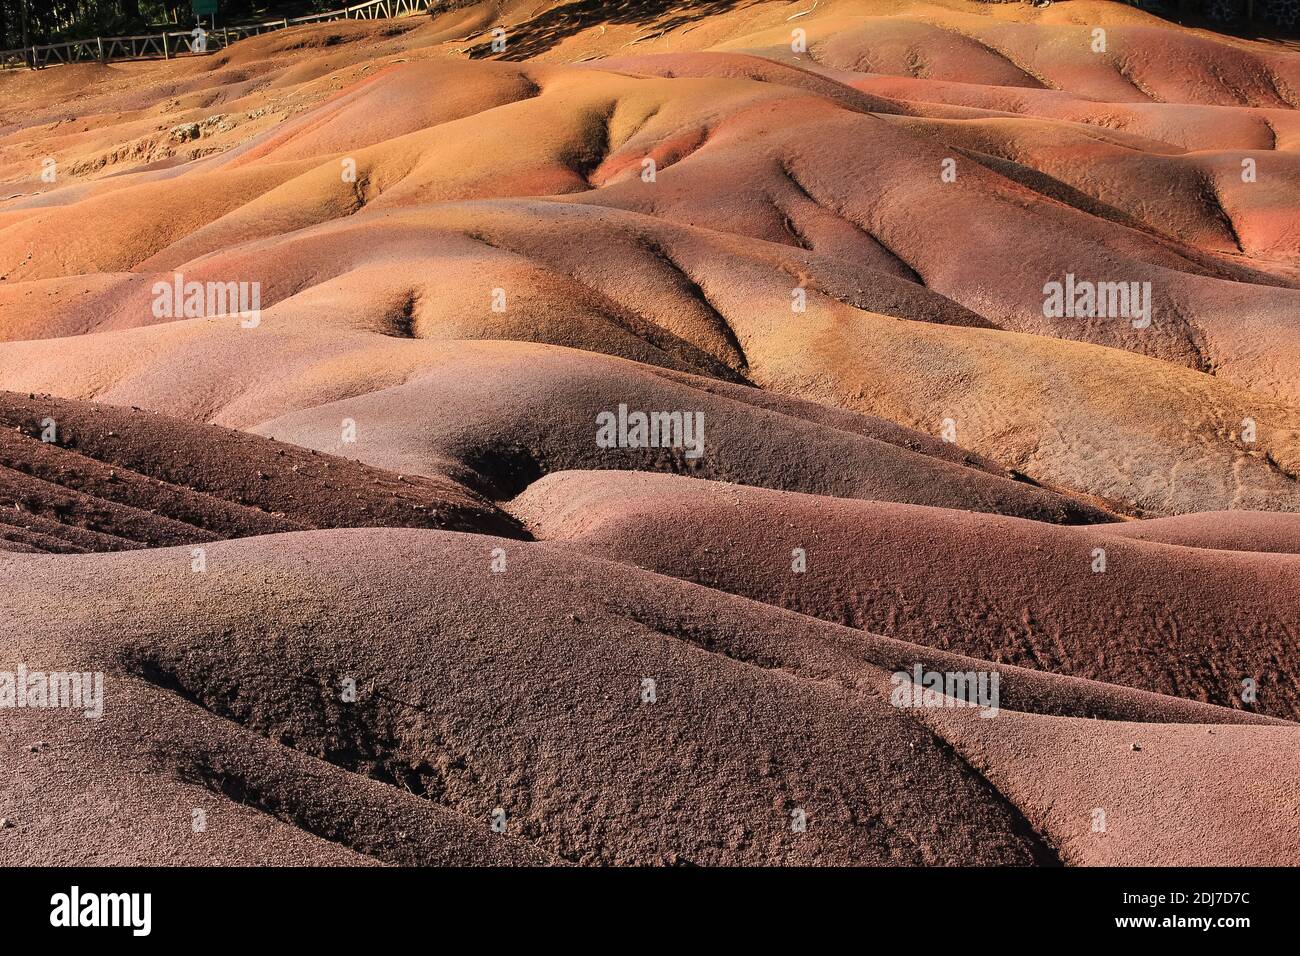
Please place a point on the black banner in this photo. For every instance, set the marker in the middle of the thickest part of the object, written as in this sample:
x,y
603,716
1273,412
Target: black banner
x,y
227,905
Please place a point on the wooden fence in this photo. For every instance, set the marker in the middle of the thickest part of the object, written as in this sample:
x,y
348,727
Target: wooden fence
x,y
175,43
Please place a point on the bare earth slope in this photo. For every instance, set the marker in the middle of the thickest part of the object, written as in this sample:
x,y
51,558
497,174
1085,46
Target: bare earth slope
x,y
952,579
81,477
483,690
382,591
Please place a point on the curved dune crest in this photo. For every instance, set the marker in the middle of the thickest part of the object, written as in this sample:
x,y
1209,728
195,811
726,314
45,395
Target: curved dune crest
x,y
744,435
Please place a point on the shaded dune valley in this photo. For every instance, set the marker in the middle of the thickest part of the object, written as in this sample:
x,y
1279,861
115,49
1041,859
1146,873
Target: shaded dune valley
x,y
753,433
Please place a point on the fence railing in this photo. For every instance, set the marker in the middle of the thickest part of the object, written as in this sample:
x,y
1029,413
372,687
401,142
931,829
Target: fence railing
x,y
176,43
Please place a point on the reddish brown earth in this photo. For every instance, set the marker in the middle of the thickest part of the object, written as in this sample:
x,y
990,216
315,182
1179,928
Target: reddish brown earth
x,y
378,595
76,476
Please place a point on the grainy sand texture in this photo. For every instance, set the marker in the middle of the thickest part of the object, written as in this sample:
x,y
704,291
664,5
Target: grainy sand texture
x,y
857,432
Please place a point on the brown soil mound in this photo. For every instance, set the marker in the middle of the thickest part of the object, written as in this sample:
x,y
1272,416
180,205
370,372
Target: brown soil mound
x,y
76,476
546,422
509,691
1105,795
986,586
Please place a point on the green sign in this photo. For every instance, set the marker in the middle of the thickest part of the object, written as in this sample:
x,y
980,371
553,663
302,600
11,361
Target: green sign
x,y
204,8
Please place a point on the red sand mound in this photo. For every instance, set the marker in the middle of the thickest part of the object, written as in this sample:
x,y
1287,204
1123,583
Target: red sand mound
x,y
81,477
506,690
547,421
982,585
1106,795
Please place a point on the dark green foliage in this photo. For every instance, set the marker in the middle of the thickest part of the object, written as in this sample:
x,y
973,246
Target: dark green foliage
x,y
51,21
